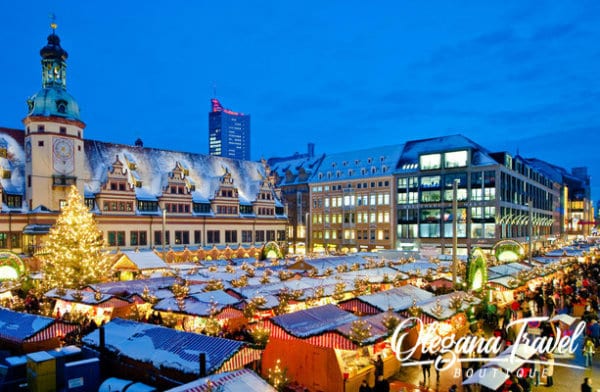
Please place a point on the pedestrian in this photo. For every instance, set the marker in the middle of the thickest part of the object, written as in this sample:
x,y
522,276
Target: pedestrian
x,y
587,385
426,367
549,370
382,385
437,364
537,369
378,367
364,387
514,384
588,351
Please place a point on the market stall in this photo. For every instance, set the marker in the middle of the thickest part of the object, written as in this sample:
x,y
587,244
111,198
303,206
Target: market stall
x,y
319,348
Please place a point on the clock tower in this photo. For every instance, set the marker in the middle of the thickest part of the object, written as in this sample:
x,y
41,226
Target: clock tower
x,y
53,134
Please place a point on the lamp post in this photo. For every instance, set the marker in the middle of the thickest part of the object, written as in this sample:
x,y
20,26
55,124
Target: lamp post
x,y
307,231
530,229
164,222
454,233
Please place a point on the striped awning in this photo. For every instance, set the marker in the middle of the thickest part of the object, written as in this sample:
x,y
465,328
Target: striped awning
x,y
240,359
357,306
229,313
326,339
57,329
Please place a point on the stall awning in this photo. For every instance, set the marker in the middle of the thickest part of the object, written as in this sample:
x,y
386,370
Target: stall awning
x,y
37,229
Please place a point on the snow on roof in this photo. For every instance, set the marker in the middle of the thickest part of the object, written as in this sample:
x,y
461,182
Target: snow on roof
x,y
18,326
116,384
428,305
297,169
199,304
313,321
396,299
164,347
353,165
376,327
153,165
240,380
413,149
130,287
87,297
421,266
508,269
145,260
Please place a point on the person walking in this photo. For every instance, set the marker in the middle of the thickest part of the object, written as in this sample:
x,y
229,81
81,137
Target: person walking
x,y
587,385
588,351
426,367
549,370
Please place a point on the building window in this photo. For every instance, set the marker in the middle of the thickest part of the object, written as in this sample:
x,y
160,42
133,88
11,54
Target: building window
x,y
280,235
41,128
197,237
245,209
201,208
13,201
15,240
260,235
246,235
182,237
116,238
270,235
40,143
456,159
63,130
138,238
230,236
62,204
147,206
158,237
430,161
213,236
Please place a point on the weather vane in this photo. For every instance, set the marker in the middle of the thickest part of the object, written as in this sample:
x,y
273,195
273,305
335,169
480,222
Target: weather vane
x,y
53,24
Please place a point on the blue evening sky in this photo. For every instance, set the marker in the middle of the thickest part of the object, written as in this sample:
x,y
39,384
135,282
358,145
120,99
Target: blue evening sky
x,y
511,75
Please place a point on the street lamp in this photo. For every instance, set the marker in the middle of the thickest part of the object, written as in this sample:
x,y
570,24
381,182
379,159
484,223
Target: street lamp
x,y
454,231
164,222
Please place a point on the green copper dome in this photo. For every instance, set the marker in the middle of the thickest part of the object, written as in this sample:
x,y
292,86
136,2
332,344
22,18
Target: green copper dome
x,y
53,102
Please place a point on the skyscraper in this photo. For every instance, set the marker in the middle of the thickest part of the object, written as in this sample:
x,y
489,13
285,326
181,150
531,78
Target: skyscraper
x,y
229,132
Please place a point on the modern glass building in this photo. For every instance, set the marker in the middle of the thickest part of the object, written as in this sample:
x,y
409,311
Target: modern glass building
x,y
228,132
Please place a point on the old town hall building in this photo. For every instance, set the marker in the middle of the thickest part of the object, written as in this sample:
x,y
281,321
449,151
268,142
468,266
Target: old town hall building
x,y
138,195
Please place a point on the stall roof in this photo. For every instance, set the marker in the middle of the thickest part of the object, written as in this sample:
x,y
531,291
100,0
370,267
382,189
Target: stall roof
x,y
164,347
143,260
376,327
396,299
444,301
313,321
18,326
239,380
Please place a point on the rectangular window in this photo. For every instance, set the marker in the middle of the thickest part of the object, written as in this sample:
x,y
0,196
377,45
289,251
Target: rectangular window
x,y
182,237
430,161
246,235
280,235
231,236
197,237
213,236
260,235
270,235
456,159
116,238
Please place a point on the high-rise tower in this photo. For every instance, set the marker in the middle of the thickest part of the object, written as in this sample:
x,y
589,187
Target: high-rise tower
x,y
228,132
53,134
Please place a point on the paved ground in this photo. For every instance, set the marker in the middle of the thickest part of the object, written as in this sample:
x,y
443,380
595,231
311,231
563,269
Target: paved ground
x,y
410,379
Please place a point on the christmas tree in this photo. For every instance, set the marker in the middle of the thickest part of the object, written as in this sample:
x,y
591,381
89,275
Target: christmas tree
x,y
74,255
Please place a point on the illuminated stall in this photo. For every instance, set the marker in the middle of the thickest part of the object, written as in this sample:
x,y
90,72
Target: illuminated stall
x,y
319,348
75,304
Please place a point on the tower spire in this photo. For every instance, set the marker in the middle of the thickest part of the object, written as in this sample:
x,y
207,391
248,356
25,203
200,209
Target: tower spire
x,y
53,24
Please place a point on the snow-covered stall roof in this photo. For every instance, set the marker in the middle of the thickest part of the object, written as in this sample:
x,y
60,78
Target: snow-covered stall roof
x,y
84,297
20,327
240,380
199,304
396,299
144,261
130,287
164,347
376,328
313,321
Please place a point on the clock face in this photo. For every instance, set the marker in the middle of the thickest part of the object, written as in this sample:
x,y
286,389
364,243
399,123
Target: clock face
x,y
63,148
28,150
62,151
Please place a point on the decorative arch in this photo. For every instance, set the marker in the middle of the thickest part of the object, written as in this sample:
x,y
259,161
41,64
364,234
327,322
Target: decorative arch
x,y
271,251
11,266
477,275
508,251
